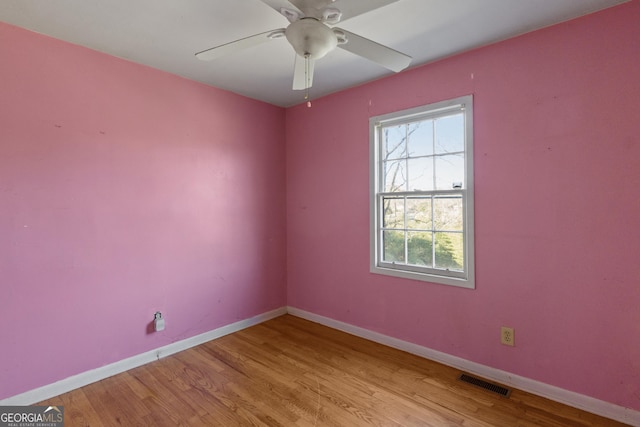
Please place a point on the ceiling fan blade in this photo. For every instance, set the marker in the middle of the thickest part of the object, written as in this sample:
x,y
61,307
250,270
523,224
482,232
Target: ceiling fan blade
x,y
303,73
238,45
351,8
383,55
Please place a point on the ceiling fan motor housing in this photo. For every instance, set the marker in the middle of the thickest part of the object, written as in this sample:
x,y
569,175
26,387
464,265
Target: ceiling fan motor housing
x,y
311,38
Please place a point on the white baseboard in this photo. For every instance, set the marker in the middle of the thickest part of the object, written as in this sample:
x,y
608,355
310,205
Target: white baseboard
x,y
576,400
85,378
599,407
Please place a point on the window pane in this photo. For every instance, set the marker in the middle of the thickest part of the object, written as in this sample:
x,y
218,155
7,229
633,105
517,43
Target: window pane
x,y
421,174
419,213
449,171
393,213
450,134
393,246
395,176
420,250
449,251
420,139
394,142
448,213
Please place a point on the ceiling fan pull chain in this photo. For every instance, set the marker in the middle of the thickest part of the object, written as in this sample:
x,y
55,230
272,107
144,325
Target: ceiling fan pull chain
x,y
306,79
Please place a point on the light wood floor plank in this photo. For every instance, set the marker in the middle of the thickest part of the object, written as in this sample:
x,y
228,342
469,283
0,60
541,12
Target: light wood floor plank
x,y
292,372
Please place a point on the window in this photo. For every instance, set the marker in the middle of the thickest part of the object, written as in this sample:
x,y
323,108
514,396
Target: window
x,y
422,193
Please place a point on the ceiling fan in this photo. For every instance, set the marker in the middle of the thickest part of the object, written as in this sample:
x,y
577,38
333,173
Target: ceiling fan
x,y
312,35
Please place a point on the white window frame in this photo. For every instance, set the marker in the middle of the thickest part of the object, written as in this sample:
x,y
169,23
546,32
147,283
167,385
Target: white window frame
x,y
466,279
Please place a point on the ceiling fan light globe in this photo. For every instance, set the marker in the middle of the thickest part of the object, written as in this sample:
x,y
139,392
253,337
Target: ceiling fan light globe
x,y
311,38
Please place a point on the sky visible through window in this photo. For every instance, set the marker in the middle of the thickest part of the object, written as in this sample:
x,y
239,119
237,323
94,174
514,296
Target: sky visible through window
x,y
425,155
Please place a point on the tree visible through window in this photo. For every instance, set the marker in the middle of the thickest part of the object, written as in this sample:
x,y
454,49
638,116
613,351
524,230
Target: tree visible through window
x,y
422,197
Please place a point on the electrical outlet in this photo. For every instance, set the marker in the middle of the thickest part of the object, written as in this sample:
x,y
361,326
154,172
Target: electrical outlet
x,y
507,336
158,322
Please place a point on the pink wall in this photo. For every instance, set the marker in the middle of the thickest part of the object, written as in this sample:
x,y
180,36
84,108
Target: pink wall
x,y
557,178
125,190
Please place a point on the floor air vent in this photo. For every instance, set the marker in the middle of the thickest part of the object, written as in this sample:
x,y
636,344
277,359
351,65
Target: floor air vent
x,y
502,391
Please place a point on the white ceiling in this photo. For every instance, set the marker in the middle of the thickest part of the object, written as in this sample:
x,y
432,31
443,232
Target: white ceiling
x,y
165,34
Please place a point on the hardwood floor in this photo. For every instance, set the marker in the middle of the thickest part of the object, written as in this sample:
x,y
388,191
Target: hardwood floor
x,y
291,372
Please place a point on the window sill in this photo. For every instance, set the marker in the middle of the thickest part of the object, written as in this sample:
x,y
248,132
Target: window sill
x,y
468,283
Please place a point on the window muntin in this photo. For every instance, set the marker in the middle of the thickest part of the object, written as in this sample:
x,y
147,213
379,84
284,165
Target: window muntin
x,y
422,193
